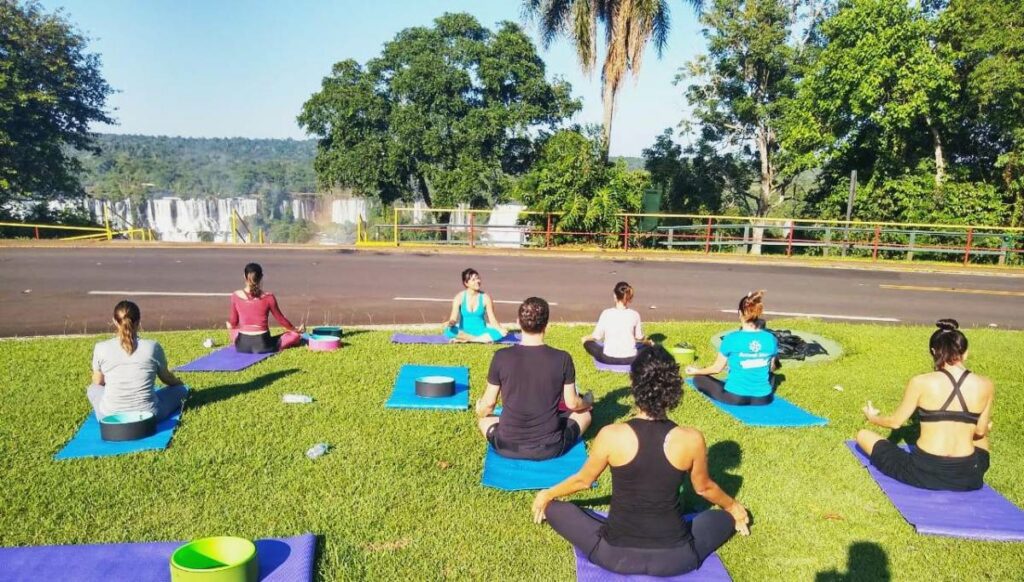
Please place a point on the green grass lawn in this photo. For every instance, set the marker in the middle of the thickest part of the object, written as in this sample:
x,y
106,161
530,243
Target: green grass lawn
x,y
398,496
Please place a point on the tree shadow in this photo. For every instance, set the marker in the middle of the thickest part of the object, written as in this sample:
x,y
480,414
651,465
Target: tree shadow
x,y
202,398
867,562
722,456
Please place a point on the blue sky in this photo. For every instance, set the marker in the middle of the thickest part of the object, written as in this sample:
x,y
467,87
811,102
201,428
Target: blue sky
x,y
221,68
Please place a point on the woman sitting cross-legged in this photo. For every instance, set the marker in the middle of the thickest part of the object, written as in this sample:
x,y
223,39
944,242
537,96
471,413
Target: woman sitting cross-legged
x,y
249,322
649,457
620,329
954,407
749,353
467,322
125,369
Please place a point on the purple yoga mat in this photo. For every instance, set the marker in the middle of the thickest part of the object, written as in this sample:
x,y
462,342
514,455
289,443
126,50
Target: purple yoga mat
x,y
980,515
408,338
712,570
619,368
281,560
224,360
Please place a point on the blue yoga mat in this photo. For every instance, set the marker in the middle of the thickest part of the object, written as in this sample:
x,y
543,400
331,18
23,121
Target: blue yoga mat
x,y
407,338
404,393
281,560
712,570
224,360
520,474
780,412
87,441
981,515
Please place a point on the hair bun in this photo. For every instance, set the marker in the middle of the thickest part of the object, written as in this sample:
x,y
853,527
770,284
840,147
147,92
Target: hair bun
x,y
947,324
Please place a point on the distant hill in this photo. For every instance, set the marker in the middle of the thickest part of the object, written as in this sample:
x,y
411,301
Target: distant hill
x,y
633,162
133,164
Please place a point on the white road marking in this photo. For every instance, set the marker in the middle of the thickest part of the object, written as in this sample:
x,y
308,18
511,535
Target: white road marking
x,y
437,300
824,316
159,293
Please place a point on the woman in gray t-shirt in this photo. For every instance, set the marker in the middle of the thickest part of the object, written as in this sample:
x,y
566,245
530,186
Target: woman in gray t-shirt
x,y
125,369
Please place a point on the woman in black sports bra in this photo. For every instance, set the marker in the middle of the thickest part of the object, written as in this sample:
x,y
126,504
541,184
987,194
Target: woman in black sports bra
x,y
954,407
649,457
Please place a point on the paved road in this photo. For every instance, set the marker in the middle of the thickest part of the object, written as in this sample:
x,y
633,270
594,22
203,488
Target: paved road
x,y
348,287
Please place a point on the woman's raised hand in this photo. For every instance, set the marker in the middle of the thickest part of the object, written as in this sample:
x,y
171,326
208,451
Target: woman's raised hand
x,y
870,411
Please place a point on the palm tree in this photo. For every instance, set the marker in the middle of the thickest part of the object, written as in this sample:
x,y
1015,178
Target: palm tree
x,y
628,26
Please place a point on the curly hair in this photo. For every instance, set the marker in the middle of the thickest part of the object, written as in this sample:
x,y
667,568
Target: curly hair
x,y
657,386
533,315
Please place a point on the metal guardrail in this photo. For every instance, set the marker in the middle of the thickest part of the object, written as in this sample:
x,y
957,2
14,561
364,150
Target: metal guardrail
x,y
707,233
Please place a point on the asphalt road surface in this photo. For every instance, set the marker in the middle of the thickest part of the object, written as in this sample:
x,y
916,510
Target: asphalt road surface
x,y
73,290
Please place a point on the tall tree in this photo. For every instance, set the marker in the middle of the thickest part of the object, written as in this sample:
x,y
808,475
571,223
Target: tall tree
x,y
51,89
741,87
446,113
629,25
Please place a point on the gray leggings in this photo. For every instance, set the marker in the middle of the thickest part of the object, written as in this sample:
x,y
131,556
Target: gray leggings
x,y
710,529
168,399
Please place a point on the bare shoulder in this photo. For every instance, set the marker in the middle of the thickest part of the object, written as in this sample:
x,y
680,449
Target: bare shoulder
x,y
984,383
686,435
458,296
615,433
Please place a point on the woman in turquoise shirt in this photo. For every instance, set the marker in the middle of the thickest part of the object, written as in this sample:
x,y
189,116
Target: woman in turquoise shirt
x,y
467,321
749,353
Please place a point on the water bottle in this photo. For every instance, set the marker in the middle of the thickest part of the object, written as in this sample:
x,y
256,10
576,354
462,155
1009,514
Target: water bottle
x,y
317,451
296,399
208,343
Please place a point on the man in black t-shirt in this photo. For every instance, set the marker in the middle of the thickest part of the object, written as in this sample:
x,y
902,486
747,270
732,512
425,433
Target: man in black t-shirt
x,y
533,379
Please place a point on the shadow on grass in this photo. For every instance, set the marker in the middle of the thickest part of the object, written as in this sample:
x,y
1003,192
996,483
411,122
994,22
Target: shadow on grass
x,y
723,456
906,434
867,562
612,407
204,397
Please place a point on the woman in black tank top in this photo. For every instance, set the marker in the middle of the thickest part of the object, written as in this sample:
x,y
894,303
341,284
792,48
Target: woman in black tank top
x,y
649,457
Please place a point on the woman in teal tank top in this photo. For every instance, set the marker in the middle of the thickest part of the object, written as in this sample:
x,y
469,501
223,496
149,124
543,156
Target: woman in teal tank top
x,y
472,318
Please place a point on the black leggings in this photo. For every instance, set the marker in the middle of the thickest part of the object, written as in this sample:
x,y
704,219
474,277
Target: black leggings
x,y
710,530
597,351
715,389
257,344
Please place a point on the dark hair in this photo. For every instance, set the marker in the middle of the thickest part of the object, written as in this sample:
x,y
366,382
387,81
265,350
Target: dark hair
x,y
533,315
127,317
657,386
623,292
751,306
948,344
253,277
467,275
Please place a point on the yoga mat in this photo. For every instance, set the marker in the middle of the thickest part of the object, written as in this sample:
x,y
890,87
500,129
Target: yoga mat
x,y
407,338
619,368
223,360
281,560
780,413
712,570
979,515
87,441
520,474
404,393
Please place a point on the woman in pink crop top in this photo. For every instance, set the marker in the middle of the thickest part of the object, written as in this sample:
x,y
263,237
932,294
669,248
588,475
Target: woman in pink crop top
x,y
250,307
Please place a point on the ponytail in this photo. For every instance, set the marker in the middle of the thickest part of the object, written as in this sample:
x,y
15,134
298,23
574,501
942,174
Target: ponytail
x,y
948,344
752,306
253,278
127,318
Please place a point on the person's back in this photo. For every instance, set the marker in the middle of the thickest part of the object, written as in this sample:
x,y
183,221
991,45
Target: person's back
x,y
531,380
749,354
947,429
621,329
129,378
644,510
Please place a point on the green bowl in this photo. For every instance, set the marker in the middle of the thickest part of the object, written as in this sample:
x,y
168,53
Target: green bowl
x,y
684,356
216,559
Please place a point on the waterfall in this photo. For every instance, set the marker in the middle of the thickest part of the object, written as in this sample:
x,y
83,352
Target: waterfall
x,y
503,230
348,210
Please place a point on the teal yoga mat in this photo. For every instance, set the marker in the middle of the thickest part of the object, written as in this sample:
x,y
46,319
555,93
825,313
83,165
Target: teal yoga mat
x,y
780,413
404,393
87,441
522,474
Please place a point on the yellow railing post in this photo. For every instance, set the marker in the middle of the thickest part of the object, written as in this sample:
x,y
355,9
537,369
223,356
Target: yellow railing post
x,y
106,220
396,226
261,236
234,228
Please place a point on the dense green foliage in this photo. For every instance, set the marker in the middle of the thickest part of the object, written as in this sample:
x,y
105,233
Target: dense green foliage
x,y
131,165
399,498
571,177
447,113
50,91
